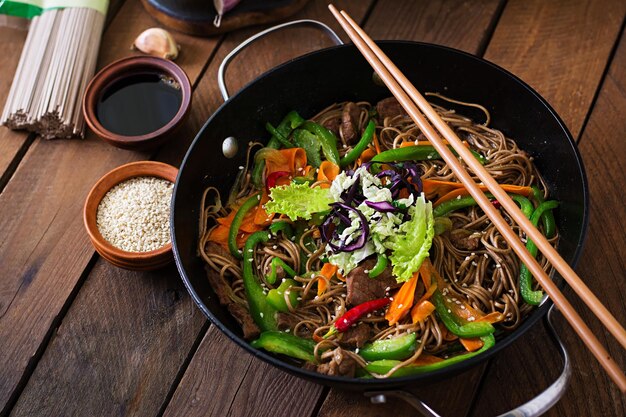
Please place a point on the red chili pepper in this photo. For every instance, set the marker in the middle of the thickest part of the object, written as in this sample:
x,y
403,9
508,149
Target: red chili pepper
x,y
344,322
273,177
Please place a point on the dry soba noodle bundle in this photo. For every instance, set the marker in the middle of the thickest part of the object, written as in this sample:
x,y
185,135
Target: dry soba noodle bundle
x,y
348,244
57,62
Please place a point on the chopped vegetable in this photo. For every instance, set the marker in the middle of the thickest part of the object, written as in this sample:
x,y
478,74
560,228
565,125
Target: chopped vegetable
x,y
328,271
402,301
299,201
311,145
413,242
276,263
276,296
533,297
417,153
350,317
291,121
418,367
379,267
237,220
286,344
262,312
327,140
363,143
327,172
399,348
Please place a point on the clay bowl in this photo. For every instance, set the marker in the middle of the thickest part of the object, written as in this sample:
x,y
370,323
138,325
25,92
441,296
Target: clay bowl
x,y
139,261
121,70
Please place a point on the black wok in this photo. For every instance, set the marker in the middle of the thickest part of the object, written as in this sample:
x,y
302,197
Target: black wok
x,y
312,82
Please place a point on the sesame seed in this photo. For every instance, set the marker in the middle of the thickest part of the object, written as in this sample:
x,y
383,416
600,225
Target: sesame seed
x,y
261,314
287,330
449,311
274,247
134,215
400,305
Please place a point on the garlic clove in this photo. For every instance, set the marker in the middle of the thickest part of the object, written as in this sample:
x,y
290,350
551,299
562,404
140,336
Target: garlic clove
x,y
157,42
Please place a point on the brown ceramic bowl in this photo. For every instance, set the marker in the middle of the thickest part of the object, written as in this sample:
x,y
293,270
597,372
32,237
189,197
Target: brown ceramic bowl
x,y
140,261
131,67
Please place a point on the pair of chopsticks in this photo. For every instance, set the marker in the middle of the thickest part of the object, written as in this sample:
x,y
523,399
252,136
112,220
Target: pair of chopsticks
x,y
417,107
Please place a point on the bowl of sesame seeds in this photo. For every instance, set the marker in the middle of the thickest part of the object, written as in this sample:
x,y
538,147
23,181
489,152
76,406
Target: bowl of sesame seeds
x,y
127,214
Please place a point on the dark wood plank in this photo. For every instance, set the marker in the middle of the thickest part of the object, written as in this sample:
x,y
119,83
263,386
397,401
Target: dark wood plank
x,y
12,43
233,383
460,25
560,48
116,348
455,23
531,362
44,248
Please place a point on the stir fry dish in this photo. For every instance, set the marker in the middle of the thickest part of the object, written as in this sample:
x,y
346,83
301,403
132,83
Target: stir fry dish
x,y
347,245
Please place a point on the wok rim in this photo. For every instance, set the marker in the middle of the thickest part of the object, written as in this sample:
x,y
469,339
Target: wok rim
x,y
388,383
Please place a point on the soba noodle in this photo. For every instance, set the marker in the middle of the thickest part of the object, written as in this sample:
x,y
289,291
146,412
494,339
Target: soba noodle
x,y
486,277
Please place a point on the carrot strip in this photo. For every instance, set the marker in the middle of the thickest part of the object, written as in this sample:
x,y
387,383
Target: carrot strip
x,y
261,217
376,143
294,161
327,172
472,344
366,156
421,311
402,301
515,189
328,271
426,359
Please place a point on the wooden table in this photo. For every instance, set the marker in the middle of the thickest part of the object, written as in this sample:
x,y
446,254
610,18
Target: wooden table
x,y
81,337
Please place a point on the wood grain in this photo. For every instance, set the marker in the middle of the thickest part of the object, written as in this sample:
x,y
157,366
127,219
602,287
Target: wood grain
x,y
590,392
560,48
116,347
44,248
233,383
460,25
10,141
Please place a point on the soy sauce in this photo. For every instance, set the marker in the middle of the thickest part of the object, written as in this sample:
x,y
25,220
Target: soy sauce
x,y
139,104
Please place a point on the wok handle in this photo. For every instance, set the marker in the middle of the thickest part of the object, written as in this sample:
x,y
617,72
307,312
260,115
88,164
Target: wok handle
x,y
303,22
533,408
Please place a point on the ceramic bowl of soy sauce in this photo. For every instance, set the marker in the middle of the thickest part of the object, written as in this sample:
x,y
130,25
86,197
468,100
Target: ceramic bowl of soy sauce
x,y
137,102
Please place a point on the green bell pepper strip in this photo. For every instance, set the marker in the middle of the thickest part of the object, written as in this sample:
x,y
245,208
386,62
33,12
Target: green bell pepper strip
x,y
262,312
290,122
383,366
276,134
286,344
451,321
311,145
276,297
362,144
468,201
525,277
379,267
282,226
547,218
399,348
327,140
418,153
273,275
236,224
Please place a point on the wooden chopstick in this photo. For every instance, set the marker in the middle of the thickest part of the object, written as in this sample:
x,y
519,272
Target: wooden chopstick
x,y
411,99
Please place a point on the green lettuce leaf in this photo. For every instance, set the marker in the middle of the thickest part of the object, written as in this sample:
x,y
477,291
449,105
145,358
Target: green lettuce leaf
x,y
411,245
299,200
